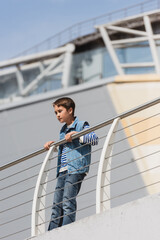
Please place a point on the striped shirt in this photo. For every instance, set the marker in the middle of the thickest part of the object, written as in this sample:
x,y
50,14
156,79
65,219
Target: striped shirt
x,y
90,138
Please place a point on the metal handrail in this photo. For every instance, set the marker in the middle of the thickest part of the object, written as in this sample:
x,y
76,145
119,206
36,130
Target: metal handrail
x,y
77,135
78,27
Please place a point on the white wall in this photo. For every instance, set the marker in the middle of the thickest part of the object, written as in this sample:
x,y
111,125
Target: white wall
x,y
137,220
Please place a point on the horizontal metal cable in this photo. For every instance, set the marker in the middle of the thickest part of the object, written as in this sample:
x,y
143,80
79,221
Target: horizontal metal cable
x,y
72,172
60,155
73,161
115,142
59,189
93,151
83,132
56,144
29,189
11,185
19,205
35,176
53,168
15,219
52,192
123,194
131,162
95,175
137,122
93,205
100,138
24,191
22,159
80,146
13,195
110,183
12,234
37,165
23,170
32,187
78,196
136,174
133,147
69,186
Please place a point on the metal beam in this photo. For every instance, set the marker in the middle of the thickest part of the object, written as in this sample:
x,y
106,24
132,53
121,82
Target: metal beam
x,y
41,67
67,65
57,70
20,79
33,57
133,65
26,67
110,49
127,30
129,40
134,40
152,43
34,83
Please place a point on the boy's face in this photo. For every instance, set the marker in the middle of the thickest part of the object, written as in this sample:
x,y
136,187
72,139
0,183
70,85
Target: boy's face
x,y
63,115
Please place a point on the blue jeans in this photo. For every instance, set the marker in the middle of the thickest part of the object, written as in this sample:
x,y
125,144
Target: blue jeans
x,y
64,204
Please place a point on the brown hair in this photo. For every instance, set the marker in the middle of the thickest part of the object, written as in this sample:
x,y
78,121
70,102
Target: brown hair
x,y
65,102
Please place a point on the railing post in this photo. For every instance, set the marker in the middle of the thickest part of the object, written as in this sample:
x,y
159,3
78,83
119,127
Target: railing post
x,y
103,177
38,217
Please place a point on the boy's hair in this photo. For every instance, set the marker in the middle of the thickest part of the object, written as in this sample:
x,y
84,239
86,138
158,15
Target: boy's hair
x,y
65,102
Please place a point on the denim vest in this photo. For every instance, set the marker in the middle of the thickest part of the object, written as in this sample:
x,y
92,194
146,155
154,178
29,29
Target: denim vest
x,y
78,154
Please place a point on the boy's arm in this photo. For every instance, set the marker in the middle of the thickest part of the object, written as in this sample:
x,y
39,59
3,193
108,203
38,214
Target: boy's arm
x,y
68,136
48,144
90,138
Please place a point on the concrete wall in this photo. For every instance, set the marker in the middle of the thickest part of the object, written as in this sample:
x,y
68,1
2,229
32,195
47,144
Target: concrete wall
x,y
137,220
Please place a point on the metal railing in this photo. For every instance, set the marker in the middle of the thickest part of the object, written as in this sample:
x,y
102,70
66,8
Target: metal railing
x,y
125,166
87,27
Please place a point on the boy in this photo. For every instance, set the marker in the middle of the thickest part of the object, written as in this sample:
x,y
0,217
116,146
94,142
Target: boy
x,y
73,163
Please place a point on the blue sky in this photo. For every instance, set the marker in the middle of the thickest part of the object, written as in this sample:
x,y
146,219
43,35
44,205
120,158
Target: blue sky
x,y
24,23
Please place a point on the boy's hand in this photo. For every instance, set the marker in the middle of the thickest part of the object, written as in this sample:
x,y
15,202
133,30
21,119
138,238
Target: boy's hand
x,y
48,144
68,136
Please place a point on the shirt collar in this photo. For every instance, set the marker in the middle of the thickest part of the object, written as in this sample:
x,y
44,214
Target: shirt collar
x,y
73,125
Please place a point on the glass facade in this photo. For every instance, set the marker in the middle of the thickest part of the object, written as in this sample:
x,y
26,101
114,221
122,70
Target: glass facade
x,y
109,69
30,75
87,66
9,83
96,64
48,84
136,53
8,86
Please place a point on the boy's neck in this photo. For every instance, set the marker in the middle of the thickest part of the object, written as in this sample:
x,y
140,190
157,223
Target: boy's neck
x,y
70,121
